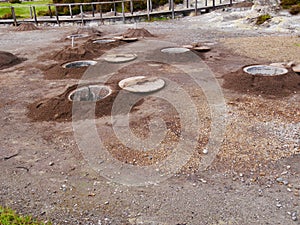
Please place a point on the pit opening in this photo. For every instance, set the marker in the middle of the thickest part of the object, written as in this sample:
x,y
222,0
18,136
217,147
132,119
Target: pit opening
x,y
90,93
78,64
265,70
174,50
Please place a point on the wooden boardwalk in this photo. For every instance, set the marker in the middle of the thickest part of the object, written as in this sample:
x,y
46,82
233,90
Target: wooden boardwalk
x,y
99,16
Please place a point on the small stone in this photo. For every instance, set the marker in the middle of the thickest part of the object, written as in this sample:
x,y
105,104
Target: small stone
x,y
284,172
241,175
288,167
106,203
278,205
51,163
205,151
203,181
289,190
294,216
296,193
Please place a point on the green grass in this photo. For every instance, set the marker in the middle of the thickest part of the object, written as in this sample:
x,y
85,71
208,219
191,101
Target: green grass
x,y
10,217
22,10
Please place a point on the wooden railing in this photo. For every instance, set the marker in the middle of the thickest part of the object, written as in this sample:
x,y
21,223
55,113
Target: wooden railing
x,y
214,4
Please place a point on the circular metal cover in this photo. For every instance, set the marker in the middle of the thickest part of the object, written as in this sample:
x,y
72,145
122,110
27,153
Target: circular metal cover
x,y
265,70
78,64
129,39
120,58
103,41
202,49
142,84
296,68
90,93
174,50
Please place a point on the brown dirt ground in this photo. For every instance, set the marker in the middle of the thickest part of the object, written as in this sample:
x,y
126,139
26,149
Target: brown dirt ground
x,y
258,145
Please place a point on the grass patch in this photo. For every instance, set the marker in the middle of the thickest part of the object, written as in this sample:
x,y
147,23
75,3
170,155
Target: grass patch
x,y
262,18
22,9
10,217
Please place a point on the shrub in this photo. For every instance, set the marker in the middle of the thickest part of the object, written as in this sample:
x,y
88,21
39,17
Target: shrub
x,y
295,9
7,16
14,1
44,13
286,4
262,18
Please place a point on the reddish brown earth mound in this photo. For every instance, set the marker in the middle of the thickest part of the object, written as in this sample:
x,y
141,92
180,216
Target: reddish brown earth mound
x,y
267,86
87,51
26,27
8,59
59,108
134,33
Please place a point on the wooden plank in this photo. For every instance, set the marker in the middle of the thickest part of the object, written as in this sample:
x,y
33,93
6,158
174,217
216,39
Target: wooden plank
x,y
196,7
34,15
14,15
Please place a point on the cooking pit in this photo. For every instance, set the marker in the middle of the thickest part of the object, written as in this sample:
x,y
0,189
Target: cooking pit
x,y
78,64
265,70
90,93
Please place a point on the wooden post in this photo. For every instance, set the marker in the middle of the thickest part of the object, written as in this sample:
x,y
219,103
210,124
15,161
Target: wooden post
x,y
220,1
30,9
131,7
230,2
93,11
81,12
101,18
70,10
169,2
50,12
34,15
187,4
150,5
148,10
56,15
13,15
115,9
123,11
214,4
172,6
196,7
205,2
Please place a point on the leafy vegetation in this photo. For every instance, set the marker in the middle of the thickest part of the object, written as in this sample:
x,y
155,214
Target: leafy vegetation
x,y
295,9
287,4
262,18
22,9
10,217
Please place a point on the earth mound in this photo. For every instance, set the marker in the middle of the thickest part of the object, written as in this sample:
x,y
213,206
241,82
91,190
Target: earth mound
x,y
26,27
134,33
267,86
8,59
